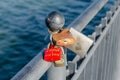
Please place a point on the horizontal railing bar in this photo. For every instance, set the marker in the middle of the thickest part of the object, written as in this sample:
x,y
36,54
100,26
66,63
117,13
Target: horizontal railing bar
x,y
34,69
81,22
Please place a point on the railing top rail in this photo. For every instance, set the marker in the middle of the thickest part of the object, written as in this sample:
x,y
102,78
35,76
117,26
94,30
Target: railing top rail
x,y
82,20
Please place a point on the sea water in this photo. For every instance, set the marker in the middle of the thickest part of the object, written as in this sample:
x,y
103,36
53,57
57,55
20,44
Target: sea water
x,y
23,29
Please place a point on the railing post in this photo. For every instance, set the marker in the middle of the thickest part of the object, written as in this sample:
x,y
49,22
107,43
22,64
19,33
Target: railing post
x,y
57,73
55,22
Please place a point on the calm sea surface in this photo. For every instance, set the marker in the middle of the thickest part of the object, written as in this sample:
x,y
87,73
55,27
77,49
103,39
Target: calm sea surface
x,y
22,28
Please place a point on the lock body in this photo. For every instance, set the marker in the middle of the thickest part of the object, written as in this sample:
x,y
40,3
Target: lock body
x,y
52,54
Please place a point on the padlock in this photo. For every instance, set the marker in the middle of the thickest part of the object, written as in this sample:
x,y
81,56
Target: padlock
x,y
52,53
63,38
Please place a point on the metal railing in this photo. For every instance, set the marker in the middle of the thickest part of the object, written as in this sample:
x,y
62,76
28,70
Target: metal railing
x,y
100,62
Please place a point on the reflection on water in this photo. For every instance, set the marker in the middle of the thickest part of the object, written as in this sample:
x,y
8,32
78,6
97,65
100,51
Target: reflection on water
x,y
22,28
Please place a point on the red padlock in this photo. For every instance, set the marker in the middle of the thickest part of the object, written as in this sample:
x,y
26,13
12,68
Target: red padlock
x,y
52,53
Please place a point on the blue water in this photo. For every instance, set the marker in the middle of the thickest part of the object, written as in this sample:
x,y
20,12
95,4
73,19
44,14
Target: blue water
x,y
22,28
